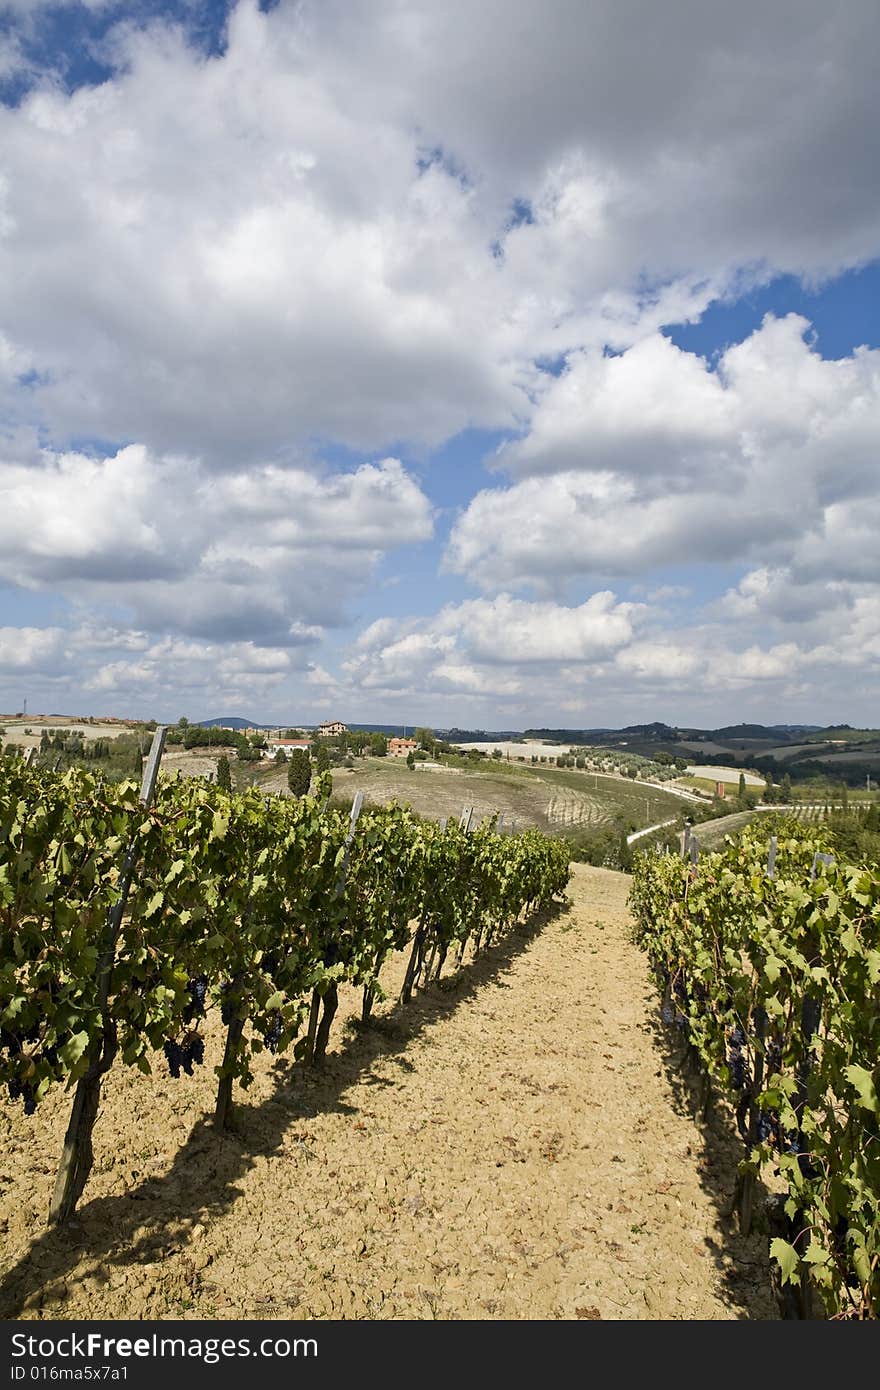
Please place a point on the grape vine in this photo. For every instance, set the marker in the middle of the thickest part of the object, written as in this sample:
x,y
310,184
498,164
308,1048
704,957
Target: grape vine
x,y
776,985
252,905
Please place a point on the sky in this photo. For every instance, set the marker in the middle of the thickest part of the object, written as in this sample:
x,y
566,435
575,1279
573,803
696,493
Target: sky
x,y
493,366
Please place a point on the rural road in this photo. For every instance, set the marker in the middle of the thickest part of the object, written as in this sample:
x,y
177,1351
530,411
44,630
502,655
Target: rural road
x,y
649,830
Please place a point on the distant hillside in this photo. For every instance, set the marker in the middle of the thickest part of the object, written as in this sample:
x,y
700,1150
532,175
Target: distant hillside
x,y
456,735
840,733
231,721
562,735
648,730
753,731
392,730
795,728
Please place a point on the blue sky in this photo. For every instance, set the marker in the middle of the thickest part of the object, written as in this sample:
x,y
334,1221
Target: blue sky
x,y
493,366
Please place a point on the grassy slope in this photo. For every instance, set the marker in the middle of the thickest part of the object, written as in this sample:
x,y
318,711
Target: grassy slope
x,y
557,800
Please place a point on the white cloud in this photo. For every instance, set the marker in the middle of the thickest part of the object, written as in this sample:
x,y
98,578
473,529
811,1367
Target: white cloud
x,y
221,258
655,460
224,257
272,554
674,137
368,226
664,659
31,649
487,647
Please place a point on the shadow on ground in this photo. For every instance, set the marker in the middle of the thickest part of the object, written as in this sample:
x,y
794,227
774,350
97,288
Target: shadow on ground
x,y
161,1215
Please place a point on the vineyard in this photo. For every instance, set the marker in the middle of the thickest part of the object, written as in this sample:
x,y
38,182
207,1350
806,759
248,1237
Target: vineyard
x,y
128,915
514,1143
147,930
770,969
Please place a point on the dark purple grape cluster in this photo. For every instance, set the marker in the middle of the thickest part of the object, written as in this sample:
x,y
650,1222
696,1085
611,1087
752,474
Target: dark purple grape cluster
x,y
739,1067
198,989
273,1034
681,1003
184,1055
773,1057
769,1130
21,1090
12,1043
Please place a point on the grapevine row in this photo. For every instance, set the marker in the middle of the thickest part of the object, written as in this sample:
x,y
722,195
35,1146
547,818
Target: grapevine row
x,y
775,983
260,907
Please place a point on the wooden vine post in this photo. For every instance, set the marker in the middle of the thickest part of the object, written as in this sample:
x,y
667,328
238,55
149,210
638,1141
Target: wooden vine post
x,y
77,1155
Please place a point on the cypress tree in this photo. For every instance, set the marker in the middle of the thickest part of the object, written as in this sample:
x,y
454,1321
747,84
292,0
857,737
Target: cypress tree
x,y
299,772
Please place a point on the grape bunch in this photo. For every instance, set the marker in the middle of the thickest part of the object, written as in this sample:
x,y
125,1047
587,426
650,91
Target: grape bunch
x,y
185,1054
198,989
272,1035
769,1129
773,1057
21,1090
739,1067
12,1043
681,1003
764,1128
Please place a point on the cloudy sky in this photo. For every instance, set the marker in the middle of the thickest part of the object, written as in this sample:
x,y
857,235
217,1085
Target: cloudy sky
x,y
493,364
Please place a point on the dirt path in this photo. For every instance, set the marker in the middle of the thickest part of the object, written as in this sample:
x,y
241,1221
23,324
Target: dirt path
x,y
509,1146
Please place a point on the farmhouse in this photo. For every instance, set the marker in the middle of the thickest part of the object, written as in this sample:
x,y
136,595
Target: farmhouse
x,y
331,730
286,745
399,747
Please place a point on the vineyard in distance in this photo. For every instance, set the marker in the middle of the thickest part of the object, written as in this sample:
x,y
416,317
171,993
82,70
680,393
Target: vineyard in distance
x,y
462,1036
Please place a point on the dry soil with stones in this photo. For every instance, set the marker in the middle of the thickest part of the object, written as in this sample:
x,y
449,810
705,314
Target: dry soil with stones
x,y
516,1143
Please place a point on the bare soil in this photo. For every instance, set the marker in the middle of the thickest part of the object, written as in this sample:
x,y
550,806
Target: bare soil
x,y
515,1144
